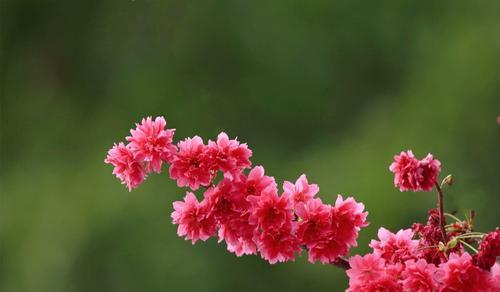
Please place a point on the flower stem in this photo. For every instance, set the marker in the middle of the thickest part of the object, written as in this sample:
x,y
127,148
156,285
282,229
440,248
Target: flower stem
x,y
470,236
453,217
442,220
477,233
469,246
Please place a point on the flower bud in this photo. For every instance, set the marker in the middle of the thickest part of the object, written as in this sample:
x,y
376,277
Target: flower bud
x,y
448,180
452,243
441,247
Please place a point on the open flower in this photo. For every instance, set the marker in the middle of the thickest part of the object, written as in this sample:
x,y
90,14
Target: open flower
x,y
419,275
194,219
411,174
428,170
231,211
337,234
404,168
239,235
278,245
363,270
255,182
397,247
314,225
489,250
229,156
153,142
270,211
301,191
128,165
459,274
191,165
495,277
347,219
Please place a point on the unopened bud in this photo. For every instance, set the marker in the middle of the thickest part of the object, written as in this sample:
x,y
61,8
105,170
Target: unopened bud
x,y
448,180
452,243
441,247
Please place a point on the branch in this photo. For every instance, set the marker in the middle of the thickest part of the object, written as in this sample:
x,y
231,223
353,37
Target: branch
x,y
341,263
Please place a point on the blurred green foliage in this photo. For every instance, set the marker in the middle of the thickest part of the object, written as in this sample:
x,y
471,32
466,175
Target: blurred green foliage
x,y
330,88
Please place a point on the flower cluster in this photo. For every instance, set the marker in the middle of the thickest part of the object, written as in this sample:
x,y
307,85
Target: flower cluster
x,y
411,174
150,144
244,209
398,264
489,250
249,214
422,258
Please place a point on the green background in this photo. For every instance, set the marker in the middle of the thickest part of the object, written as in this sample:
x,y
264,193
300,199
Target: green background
x,y
332,89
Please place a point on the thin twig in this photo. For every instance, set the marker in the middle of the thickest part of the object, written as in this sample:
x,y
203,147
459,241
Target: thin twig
x,y
469,246
453,217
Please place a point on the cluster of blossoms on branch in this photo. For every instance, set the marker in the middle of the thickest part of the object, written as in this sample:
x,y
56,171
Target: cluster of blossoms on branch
x,y
434,256
240,205
400,262
243,206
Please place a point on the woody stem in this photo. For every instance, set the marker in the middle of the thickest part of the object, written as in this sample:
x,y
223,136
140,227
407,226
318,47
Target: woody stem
x,y
442,220
342,263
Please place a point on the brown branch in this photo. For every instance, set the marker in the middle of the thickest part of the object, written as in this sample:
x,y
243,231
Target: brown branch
x,y
341,263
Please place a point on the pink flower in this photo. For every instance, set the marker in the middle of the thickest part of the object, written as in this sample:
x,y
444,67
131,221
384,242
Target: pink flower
x,y
326,250
489,250
151,141
495,278
239,235
128,165
367,268
428,170
334,240
270,211
369,273
229,156
347,219
225,200
315,223
412,174
459,274
231,211
193,218
301,191
278,245
395,248
386,283
191,166
404,168
419,276
255,182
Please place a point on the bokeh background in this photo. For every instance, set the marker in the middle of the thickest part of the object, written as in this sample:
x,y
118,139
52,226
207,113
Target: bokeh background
x,y
329,88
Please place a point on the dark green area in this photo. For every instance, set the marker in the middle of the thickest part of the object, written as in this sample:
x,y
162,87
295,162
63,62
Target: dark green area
x,y
330,88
